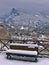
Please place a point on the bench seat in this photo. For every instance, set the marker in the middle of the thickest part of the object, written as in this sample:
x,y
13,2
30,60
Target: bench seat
x,y
22,52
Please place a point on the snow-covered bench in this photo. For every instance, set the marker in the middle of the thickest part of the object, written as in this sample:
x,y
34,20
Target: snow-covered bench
x,y
29,51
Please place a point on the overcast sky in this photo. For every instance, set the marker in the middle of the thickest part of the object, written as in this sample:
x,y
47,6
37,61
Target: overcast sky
x,y
6,5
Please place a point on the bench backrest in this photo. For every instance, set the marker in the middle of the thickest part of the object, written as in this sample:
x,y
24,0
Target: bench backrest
x,y
24,47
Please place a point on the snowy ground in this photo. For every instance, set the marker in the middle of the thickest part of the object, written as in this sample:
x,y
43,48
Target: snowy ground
x,y
4,61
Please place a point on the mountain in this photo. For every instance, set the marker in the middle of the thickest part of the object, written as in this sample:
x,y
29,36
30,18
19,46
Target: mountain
x,y
14,12
39,21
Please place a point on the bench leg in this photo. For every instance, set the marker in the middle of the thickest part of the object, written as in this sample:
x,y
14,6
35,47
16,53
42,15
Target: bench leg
x,y
8,56
35,59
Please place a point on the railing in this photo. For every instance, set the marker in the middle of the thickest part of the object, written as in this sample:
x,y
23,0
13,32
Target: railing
x,y
43,46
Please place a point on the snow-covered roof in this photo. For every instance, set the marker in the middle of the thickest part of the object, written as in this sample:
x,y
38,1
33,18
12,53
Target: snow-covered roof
x,y
22,28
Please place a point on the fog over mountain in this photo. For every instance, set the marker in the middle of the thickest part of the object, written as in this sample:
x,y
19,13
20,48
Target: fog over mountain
x,y
26,5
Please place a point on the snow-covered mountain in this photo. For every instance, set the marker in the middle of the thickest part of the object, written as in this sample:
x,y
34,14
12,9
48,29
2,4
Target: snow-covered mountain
x,y
38,20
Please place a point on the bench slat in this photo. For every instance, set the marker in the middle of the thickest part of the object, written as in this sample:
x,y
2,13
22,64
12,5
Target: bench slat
x,y
22,52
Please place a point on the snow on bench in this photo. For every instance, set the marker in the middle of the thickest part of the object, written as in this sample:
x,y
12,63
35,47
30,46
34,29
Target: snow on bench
x,y
29,45
25,52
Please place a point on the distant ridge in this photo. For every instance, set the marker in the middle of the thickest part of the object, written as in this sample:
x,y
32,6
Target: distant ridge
x,y
39,21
